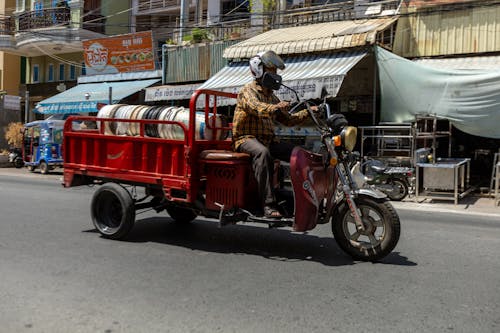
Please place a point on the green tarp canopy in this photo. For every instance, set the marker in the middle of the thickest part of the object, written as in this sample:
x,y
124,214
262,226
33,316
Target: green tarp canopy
x,y
468,98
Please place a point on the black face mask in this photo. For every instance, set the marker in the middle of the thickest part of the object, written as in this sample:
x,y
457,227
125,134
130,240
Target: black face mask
x,y
271,81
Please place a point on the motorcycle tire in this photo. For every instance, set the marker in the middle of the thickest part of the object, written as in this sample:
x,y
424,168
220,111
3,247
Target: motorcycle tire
x,y
18,162
400,190
381,235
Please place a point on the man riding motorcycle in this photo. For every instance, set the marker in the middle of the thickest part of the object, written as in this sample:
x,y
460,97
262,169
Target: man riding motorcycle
x,y
253,126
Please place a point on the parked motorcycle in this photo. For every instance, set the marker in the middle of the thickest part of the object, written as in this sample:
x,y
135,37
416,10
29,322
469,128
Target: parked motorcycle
x,y
16,157
395,182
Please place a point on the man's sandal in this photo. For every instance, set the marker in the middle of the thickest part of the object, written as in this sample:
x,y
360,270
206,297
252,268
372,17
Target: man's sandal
x,y
271,212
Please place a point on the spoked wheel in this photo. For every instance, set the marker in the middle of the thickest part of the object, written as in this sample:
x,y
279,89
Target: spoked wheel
x,y
44,168
400,190
181,214
381,233
113,211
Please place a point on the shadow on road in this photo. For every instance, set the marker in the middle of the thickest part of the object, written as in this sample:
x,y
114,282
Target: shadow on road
x,y
273,244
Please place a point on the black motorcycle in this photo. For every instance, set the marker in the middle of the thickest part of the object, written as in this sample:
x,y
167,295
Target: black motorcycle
x,y
395,182
16,157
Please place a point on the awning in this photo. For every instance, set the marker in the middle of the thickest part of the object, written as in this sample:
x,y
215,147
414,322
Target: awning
x,y
308,75
321,37
85,97
170,92
468,98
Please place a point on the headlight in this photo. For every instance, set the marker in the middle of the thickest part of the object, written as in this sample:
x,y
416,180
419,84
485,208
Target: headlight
x,y
347,138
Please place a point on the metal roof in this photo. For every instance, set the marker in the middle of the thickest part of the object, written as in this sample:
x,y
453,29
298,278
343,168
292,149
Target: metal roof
x,y
307,74
312,38
440,33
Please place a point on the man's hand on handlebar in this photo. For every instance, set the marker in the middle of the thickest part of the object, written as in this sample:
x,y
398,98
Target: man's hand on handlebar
x,y
283,106
314,108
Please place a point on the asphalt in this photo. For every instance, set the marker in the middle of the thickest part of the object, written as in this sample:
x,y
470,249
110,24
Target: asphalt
x,y
473,204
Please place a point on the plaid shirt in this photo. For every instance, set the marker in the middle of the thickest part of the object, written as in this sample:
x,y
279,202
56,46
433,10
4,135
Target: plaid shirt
x,y
255,114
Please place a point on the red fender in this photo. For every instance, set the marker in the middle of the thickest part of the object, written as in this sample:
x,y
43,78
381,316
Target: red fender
x,y
310,185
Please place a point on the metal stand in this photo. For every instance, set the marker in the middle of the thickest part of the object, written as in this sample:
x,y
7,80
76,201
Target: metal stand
x,y
447,179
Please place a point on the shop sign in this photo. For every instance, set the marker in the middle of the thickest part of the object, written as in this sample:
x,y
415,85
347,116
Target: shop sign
x,y
11,102
119,54
170,92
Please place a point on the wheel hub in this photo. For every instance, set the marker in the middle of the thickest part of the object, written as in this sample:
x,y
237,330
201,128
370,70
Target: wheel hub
x,y
369,226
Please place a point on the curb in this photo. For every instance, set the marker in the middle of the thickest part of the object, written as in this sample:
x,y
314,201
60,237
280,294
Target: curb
x,y
431,207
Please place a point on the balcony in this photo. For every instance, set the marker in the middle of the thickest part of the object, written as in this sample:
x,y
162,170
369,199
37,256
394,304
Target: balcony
x,y
48,31
6,33
38,19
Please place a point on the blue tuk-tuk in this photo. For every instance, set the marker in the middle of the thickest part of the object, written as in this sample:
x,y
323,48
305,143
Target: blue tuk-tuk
x,y
42,141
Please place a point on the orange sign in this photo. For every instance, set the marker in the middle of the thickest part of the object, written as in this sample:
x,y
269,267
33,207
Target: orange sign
x,y
118,54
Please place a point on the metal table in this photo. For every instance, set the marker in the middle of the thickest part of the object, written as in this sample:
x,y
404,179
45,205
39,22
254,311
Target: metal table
x,y
445,179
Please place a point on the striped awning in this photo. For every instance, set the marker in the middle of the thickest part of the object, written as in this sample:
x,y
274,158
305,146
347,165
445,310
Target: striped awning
x,y
321,37
307,75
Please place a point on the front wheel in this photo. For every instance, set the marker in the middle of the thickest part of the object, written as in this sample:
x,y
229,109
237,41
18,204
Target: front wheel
x,y
381,234
113,211
44,168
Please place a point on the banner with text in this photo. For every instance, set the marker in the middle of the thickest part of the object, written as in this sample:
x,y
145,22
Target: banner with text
x,y
118,54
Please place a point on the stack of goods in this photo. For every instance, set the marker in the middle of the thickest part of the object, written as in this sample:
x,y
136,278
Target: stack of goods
x,y
161,130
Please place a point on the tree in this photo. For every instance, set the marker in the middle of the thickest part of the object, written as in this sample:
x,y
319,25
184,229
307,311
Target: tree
x,y
13,134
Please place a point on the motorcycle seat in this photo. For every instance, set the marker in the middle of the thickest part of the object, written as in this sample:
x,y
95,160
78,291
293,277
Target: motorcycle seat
x,y
223,155
377,168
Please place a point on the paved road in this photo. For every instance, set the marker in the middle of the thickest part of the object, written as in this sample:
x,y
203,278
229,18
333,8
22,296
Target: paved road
x,y
58,275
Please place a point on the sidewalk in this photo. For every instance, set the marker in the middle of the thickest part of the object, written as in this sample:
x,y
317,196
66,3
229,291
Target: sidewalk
x,y
473,204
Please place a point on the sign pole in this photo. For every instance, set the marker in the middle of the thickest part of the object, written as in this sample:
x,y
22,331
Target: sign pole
x,y
26,106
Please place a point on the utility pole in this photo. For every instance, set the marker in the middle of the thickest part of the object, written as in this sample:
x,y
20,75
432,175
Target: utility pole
x,y
183,19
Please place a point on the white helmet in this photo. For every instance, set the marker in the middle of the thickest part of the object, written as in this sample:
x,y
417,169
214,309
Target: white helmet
x,y
268,59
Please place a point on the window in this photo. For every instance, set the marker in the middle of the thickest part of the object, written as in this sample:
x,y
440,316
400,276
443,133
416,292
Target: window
x,y
72,72
62,75
84,70
36,74
50,74
234,10
20,5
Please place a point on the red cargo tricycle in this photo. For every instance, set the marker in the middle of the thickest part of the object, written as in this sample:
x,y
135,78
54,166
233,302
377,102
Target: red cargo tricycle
x,y
201,176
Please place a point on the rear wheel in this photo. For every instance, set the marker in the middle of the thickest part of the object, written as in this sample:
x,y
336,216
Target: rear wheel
x,y
181,214
44,168
381,234
399,190
18,162
113,211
